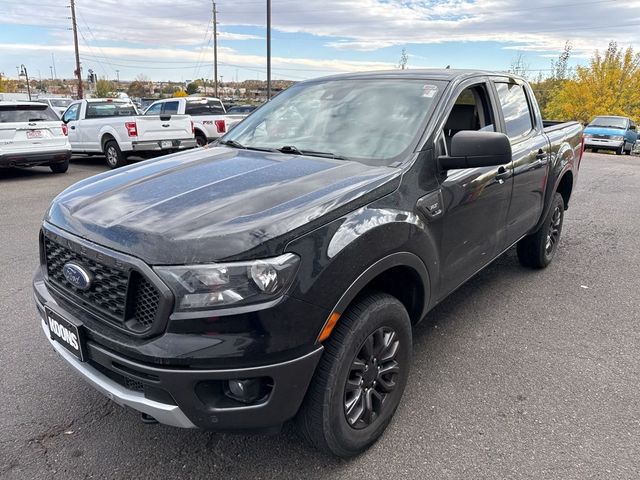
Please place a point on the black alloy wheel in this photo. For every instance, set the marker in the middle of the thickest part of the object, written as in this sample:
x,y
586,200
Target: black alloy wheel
x,y
372,378
553,234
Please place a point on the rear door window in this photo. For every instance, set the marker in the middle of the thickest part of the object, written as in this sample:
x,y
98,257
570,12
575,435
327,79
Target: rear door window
x,y
515,108
27,113
171,108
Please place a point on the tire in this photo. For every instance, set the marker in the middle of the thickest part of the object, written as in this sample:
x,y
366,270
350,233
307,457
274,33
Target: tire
x,y
594,150
60,167
114,156
538,249
621,150
628,152
201,140
376,327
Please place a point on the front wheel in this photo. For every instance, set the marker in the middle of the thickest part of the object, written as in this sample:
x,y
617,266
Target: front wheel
x,y
538,249
113,154
360,378
621,150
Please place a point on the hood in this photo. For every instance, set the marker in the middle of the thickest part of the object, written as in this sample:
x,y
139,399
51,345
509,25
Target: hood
x,y
604,131
211,204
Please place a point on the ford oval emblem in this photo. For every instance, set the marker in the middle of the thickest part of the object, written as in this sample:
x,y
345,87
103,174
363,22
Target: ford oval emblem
x,y
77,276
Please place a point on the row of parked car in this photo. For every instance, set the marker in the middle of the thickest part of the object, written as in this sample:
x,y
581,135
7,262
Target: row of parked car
x,y
37,133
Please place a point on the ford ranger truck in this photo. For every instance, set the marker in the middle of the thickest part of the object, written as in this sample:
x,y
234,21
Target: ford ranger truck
x,y
112,127
278,276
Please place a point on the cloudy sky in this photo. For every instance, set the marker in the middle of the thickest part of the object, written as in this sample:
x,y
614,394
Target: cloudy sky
x,y
172,40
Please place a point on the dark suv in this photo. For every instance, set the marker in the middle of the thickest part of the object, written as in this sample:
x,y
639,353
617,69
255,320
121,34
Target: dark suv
x,y
279,274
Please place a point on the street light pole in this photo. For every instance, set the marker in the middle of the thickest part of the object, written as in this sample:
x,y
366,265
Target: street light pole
x,y
23,72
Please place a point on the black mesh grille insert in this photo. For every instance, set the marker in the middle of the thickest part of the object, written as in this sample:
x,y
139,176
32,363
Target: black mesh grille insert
x,y
108,293
124,297
146,299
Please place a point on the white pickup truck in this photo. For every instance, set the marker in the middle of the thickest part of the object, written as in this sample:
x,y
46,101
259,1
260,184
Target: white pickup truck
x,y
113,127
208,114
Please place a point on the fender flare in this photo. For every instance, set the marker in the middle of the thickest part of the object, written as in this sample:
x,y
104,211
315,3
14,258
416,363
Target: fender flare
x,y
398,259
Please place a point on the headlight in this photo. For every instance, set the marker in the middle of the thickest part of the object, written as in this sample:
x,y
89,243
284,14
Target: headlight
x,y
201,287
616,137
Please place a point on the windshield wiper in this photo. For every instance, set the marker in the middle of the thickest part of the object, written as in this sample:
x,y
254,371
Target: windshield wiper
x,y
233,144
313,153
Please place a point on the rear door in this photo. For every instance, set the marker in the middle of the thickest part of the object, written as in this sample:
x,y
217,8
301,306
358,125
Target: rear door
x,y
530,165
30,127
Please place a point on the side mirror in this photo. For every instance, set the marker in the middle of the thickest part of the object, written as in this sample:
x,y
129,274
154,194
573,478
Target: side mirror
x,y
471,148
632,127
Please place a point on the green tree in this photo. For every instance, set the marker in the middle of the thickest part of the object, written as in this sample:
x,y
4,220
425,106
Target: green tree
x,y
546,87
104,88
192,88
609,85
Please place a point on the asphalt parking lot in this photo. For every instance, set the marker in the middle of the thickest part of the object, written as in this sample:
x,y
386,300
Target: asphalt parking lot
x,y
519,374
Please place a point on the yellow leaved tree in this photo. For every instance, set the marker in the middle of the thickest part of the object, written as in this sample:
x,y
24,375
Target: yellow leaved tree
x,y
610,85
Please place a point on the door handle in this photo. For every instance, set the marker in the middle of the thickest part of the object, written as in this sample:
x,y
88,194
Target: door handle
x,y
72,127
541,155
503,173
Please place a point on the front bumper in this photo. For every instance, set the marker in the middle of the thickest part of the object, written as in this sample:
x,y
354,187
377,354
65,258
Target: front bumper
x,y
186,397
602,143
31,159
157,145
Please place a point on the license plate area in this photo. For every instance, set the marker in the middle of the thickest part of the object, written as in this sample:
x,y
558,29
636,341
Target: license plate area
x,y
34,134
166,144
66,333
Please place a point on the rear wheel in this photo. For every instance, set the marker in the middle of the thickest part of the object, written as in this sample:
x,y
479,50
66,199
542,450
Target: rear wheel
x,y
538,249
201,140
360,378
113,154
60,167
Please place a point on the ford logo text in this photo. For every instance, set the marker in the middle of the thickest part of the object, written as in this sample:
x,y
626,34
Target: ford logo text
x,y
77,276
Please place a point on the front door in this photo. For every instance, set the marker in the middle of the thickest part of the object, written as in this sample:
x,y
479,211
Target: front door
x,y
70,117
475,200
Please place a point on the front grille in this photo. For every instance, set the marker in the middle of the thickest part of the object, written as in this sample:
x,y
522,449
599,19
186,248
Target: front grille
x,y
120,295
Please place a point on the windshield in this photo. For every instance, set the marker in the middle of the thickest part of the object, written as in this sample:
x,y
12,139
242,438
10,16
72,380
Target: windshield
x,y
26,113
612,122
60,102
374,121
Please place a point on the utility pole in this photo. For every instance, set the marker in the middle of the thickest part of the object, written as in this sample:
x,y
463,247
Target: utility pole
x,y
215,49
268,50
75,43
118,77
53,63
51,69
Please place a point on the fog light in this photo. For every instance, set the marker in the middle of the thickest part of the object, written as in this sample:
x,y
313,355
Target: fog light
x,y
246,390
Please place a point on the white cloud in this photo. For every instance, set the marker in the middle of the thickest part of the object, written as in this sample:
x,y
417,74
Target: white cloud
x,y
166,31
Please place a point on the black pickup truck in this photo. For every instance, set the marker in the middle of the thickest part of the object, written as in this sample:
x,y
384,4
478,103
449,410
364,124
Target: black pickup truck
x,y
278,275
